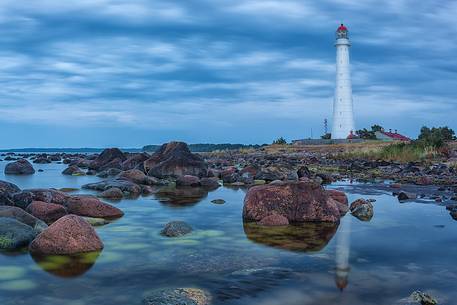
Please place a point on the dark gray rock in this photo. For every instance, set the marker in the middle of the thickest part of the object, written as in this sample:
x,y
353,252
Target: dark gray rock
x,y
174,159
127,187
19,167
73,170
22,216
402,196
15,234
176,229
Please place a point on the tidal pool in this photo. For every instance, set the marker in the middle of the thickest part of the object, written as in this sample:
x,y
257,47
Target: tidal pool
x,y
405,247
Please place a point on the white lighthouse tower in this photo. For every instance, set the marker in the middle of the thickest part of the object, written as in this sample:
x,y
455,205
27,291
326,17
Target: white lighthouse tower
x,y
343,116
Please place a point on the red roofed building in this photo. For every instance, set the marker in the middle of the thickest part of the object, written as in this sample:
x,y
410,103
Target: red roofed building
x,y
391,136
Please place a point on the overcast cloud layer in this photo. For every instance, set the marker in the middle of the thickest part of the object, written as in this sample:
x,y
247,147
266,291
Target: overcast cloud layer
x,y
99,73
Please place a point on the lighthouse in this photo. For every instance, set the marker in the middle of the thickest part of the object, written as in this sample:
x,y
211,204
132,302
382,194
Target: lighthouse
x,y
343,116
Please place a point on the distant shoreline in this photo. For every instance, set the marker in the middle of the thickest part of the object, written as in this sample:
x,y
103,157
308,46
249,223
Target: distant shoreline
x,y
147,148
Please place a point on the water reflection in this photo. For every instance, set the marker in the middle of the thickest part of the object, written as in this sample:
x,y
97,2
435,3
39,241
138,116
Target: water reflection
x,y
67,265
178,196
306,237
343,245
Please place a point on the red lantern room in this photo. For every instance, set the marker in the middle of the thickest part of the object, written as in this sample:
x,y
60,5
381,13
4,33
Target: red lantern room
x,y
342,32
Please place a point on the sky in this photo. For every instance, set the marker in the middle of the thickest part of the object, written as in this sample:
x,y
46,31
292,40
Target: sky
x,y
99,73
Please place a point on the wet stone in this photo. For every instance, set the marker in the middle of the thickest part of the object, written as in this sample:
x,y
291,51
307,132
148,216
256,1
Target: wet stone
x,y
176,229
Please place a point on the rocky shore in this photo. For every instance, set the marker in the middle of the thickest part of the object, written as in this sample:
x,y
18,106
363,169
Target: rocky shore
x,y
283,187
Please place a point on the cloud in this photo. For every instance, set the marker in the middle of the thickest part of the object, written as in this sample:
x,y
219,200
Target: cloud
x,y
168,66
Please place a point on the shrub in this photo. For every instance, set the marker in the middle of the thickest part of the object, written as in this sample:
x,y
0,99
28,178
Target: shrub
x,y
280,141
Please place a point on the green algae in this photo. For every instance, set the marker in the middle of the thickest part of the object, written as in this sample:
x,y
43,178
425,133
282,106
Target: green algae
x,y
11,272
182,242
18,285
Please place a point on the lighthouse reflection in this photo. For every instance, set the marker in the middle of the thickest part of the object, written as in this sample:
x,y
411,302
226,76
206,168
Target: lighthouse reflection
x,y
343,245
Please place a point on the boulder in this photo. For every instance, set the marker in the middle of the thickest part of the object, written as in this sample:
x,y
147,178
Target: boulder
x,y
42,160
73,170
277,172
47,195
48,212
453,214
362,209
176,229
91,207
15,234
19,167
188,180
247,174
210,183
138,177
106,157
297,201
402,196
70,234
127,187
174,159
342,200
22,216
230,175
8,187
112,193
274,220
135,161
181,296
113,167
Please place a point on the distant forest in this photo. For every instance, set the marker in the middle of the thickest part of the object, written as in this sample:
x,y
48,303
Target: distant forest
x,y
147,148
206,147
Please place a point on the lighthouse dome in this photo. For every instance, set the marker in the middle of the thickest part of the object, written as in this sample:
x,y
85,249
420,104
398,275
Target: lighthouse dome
x,y
342,32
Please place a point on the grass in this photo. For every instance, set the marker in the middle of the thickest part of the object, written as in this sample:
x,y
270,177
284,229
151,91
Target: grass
x,y
401,152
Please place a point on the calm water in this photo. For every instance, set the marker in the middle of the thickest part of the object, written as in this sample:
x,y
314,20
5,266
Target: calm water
x,y
405,247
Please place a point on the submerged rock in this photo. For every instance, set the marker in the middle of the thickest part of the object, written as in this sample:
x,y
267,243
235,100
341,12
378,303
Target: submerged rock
x,y
70,234
362,209
178,296
174,159
67,266
176,229
96,222
15,234
218,201
19,167
297,201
